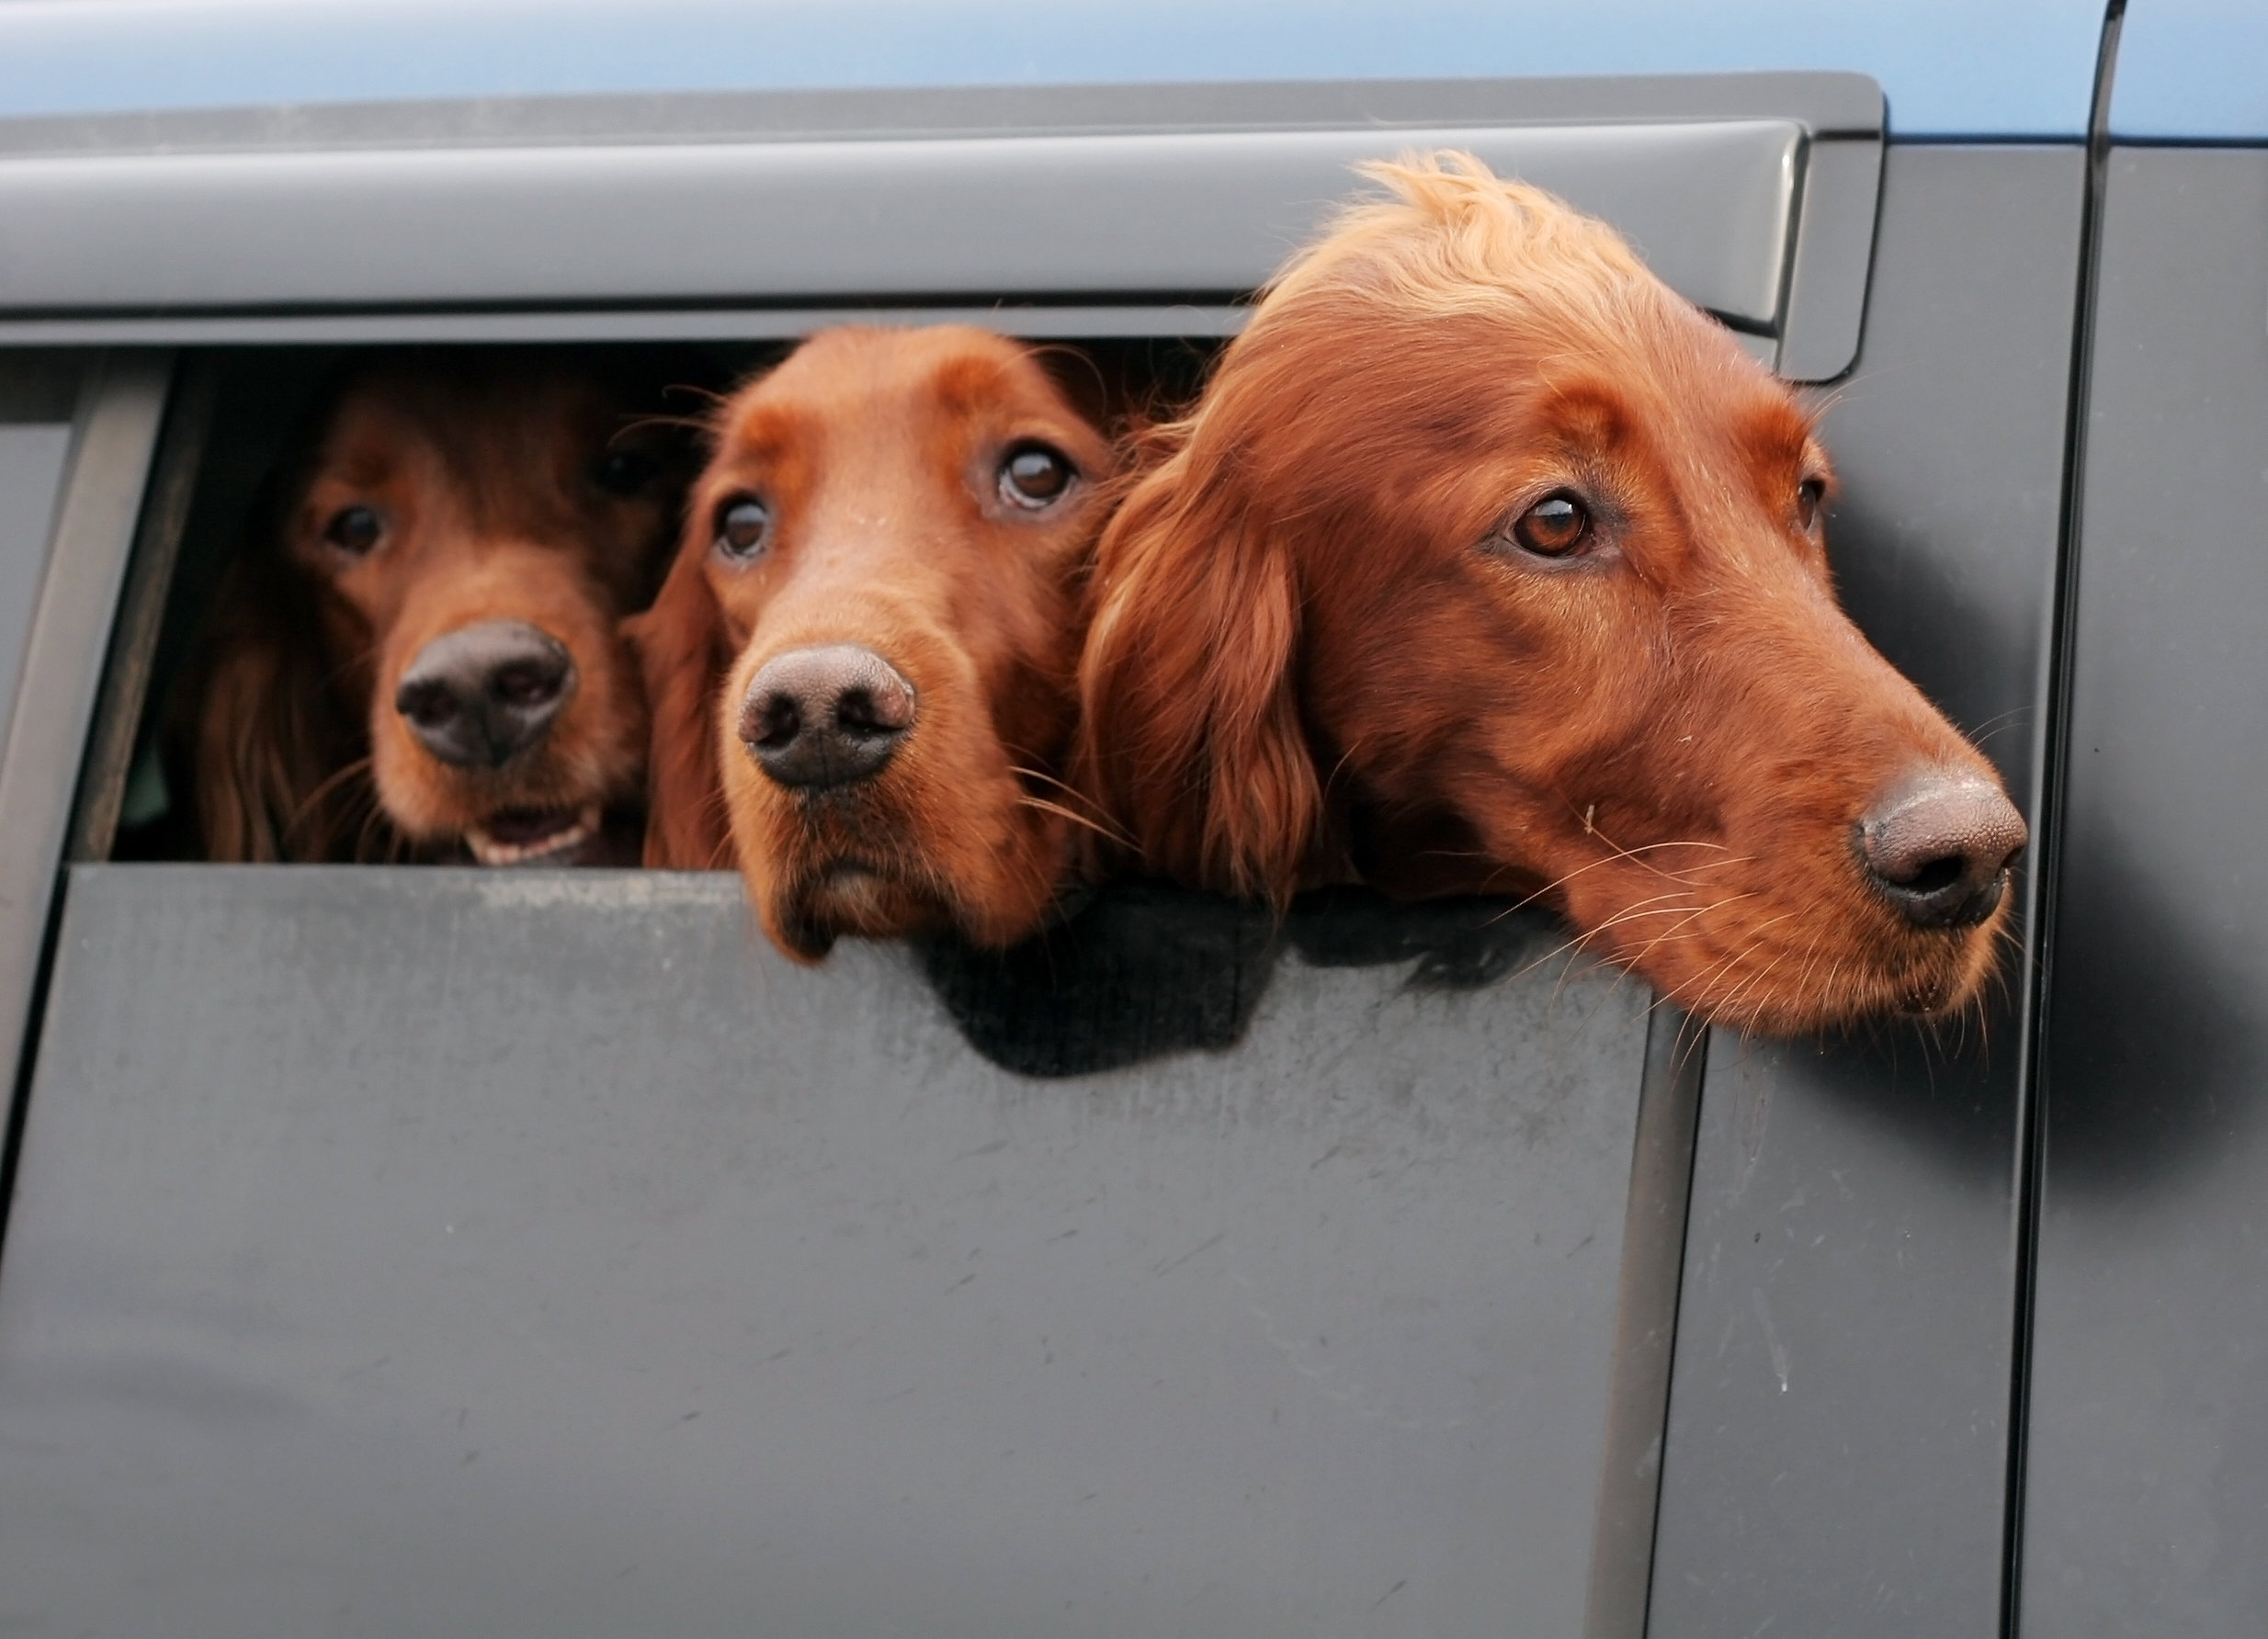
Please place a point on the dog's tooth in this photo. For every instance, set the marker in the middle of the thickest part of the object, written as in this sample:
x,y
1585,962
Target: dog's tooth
x,y
488,851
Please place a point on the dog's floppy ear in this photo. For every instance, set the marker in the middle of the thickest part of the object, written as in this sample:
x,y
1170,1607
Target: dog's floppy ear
x,y
276,772
1190,734
680,655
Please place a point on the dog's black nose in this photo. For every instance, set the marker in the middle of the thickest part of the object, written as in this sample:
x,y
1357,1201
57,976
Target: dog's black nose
x,y
476,696
1938,847
821,718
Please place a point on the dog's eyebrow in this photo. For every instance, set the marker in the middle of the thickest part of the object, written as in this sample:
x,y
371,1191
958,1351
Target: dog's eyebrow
x,y
764,433
1585,410
1783,435
969,382
358,463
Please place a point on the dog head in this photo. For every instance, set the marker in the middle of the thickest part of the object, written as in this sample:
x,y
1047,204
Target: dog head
x,y
862,662
448,568
1489,564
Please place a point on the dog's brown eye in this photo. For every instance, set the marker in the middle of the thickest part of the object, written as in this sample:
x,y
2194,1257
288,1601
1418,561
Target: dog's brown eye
x,y
743,527
623,473
1808,495
1034,476
1553,528
353,529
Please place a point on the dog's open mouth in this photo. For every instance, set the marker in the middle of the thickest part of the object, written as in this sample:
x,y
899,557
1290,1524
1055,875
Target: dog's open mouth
x,y
533,836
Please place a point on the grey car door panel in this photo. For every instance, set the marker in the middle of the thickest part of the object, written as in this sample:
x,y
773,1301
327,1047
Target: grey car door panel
x,y
38,395
2148,1402
80,561
442,1251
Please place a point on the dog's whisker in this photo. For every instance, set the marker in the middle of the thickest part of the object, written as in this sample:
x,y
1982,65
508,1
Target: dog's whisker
x,y
1099,821
1027,800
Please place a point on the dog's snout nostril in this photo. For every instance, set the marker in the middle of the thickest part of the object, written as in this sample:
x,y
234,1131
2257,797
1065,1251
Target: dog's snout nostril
x,y
858,714
526,685
775,721
827,716
477,696
1934,875
1939,847
427,704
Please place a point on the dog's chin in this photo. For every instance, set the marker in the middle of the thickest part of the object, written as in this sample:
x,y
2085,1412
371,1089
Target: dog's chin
x,y
540,836
850,897
1948,987
1936,975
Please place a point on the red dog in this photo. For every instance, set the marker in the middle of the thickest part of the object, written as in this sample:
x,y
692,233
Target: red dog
x,y
1486,565
421,658
861,666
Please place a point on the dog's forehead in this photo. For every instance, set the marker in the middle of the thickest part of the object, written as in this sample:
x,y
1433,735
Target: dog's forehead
x,y
1675,376
370,429
879,380
393,418
450,458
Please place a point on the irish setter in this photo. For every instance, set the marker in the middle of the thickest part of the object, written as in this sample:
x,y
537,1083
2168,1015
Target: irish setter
x,y
419,658
861,666
1486,565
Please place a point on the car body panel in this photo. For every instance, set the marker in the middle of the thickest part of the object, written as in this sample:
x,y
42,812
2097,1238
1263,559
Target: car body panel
x,y
447,1251
2148,1399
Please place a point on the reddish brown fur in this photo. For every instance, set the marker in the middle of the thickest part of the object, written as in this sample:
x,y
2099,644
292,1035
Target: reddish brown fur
x,y
877,451
482,470
1314,657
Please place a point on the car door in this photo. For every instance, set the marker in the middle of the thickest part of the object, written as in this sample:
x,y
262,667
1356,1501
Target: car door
x,y
434,1250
